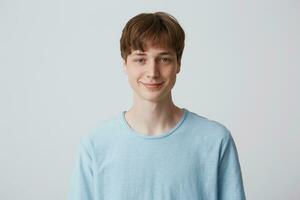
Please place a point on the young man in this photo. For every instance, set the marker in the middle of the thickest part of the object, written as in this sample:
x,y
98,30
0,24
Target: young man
x,y
156,150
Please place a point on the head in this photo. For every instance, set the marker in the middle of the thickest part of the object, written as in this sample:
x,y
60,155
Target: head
x,y
151,47
155,29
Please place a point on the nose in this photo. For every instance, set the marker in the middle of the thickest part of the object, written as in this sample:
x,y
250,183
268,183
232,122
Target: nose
x,y
153,69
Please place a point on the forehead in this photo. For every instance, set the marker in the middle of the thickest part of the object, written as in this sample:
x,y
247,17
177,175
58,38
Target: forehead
x,y
155,50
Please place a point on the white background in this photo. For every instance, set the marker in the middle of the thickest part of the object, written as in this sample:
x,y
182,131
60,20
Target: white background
x,y
61,74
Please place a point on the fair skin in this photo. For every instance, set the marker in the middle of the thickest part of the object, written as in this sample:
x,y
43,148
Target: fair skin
x,y
153,111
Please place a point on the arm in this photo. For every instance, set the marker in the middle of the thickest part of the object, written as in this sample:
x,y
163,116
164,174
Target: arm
x,y
230,183
81,186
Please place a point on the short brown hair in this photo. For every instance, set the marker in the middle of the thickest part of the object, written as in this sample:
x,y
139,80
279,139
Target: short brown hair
x,y
159,28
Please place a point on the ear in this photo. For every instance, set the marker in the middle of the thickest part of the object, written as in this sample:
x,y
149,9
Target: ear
x,y
124,66
178,67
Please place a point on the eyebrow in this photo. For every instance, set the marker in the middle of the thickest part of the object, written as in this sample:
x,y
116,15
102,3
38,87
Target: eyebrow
x,y
143,54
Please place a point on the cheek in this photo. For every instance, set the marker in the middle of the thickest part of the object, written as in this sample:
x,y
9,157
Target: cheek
x,y
169,72
135,75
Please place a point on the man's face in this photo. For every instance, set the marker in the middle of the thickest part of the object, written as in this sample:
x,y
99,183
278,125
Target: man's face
x,y
152,73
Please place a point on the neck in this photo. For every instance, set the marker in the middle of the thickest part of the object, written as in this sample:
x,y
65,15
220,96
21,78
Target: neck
x,y
153,118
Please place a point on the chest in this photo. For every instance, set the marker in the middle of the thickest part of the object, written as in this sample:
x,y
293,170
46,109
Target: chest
x,y
171,166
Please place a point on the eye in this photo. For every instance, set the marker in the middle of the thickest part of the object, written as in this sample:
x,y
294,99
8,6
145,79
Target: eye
x,y
165,60
139,60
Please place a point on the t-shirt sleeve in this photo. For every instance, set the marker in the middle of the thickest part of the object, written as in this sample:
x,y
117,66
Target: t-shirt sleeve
x,y
230,183
81,183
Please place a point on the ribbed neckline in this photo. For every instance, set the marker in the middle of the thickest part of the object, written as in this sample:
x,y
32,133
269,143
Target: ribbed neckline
x,y
161,135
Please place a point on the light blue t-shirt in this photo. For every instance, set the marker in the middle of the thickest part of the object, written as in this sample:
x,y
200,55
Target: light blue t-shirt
x,y
195,160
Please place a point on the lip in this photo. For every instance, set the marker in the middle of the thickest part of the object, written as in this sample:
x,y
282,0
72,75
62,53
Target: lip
x,y
152,85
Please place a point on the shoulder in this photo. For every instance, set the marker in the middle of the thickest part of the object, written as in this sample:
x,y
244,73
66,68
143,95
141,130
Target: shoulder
x,y
102,133
207,128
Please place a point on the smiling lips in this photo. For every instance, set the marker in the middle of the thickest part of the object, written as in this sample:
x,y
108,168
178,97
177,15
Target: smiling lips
x,y
153,85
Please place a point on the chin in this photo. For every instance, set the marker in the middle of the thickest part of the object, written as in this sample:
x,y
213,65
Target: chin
x,y
153,96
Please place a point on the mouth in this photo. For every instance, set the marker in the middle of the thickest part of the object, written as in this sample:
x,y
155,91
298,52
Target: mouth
x,y
153,85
